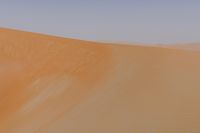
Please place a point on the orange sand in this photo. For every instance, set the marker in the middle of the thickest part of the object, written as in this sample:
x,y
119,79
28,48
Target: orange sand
x,y
56,85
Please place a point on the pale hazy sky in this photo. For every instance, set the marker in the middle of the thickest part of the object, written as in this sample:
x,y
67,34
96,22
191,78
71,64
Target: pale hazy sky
x,y
148,21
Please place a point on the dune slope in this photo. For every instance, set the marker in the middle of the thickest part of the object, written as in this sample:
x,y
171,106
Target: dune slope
x,y
50,84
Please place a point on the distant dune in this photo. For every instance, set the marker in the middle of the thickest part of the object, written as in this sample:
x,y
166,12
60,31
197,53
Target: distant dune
x,y
183,46
56,85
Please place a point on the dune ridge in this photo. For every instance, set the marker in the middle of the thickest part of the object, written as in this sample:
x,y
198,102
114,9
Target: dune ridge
x,y
50,84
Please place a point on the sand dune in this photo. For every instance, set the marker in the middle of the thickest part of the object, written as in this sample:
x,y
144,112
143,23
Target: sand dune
x,y
56,85
183,46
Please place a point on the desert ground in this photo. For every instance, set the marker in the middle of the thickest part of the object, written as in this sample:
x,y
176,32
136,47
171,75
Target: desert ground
x,y
57,85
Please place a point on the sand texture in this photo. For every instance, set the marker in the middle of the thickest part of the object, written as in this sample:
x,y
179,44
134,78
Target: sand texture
x,y
55,85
